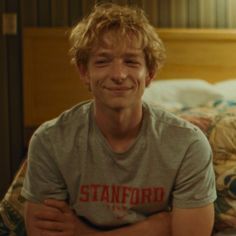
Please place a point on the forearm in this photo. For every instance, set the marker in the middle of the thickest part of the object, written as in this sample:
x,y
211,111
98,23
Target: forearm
x,y
138,229
155,225
54,217
194,222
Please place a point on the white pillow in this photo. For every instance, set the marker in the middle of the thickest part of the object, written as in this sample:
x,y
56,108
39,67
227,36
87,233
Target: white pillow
x,y
227,88
187,92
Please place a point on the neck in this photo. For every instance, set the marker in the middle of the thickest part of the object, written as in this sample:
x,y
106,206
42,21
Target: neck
x,y
120,127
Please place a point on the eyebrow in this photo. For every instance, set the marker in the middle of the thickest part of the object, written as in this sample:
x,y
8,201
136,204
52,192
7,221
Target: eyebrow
x,y
132,55
107,54
102,54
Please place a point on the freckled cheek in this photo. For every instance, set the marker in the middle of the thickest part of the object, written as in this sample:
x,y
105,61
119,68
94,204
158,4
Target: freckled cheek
x,y
140,78
96,85
96,79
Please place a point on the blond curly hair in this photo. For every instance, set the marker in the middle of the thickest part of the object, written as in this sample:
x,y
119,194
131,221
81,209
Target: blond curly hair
x,y
124,20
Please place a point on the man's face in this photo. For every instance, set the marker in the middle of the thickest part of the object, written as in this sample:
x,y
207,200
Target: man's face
x,y
117,73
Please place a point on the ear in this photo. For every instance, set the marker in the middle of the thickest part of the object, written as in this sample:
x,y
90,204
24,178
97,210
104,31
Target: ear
x,y
150,77
83,72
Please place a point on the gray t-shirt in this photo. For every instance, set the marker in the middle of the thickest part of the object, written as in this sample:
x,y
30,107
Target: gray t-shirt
x,y
168,165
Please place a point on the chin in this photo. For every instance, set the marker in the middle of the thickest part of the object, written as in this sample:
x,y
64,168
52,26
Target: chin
x,y
121,105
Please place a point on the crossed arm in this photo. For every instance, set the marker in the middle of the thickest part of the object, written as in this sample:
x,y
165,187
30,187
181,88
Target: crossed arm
x,y
55,218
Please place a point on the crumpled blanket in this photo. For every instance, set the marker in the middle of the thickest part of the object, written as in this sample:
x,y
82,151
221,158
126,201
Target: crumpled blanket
x,y
218,121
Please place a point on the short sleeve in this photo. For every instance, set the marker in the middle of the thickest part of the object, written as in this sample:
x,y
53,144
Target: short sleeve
x,y
195,182
43,179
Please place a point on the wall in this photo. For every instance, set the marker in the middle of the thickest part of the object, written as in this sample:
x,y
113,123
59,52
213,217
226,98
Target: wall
x,y
162,13
11,107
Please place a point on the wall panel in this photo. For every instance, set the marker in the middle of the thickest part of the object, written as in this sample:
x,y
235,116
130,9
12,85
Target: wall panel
x,y
152,12
29,10
162,13
193,14
11,107
44,14
231,6
207,13
59,12
221,14
4,113
179,11
75,11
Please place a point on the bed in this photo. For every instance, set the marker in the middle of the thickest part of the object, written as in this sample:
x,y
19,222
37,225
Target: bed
x,y
197,83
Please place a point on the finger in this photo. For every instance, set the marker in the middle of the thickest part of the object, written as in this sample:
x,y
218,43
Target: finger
x,y
50,226
51,215
45,208
58,204
51,233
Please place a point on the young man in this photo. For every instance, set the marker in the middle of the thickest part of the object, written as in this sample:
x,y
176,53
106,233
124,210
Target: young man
x,y
115,165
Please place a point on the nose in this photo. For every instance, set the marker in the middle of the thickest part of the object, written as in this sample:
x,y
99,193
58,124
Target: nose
x,y
119,71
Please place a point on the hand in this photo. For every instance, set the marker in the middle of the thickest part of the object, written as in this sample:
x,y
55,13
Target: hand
x,y
56,218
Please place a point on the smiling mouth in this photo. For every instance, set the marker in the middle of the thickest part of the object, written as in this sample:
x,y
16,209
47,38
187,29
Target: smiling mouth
x,y
119,89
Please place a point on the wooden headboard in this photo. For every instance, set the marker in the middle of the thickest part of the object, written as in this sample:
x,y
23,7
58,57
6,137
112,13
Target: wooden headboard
x,y
51,83
201,53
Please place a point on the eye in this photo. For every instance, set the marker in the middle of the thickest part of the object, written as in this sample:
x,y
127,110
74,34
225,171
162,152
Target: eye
x,y
132,62
101,61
